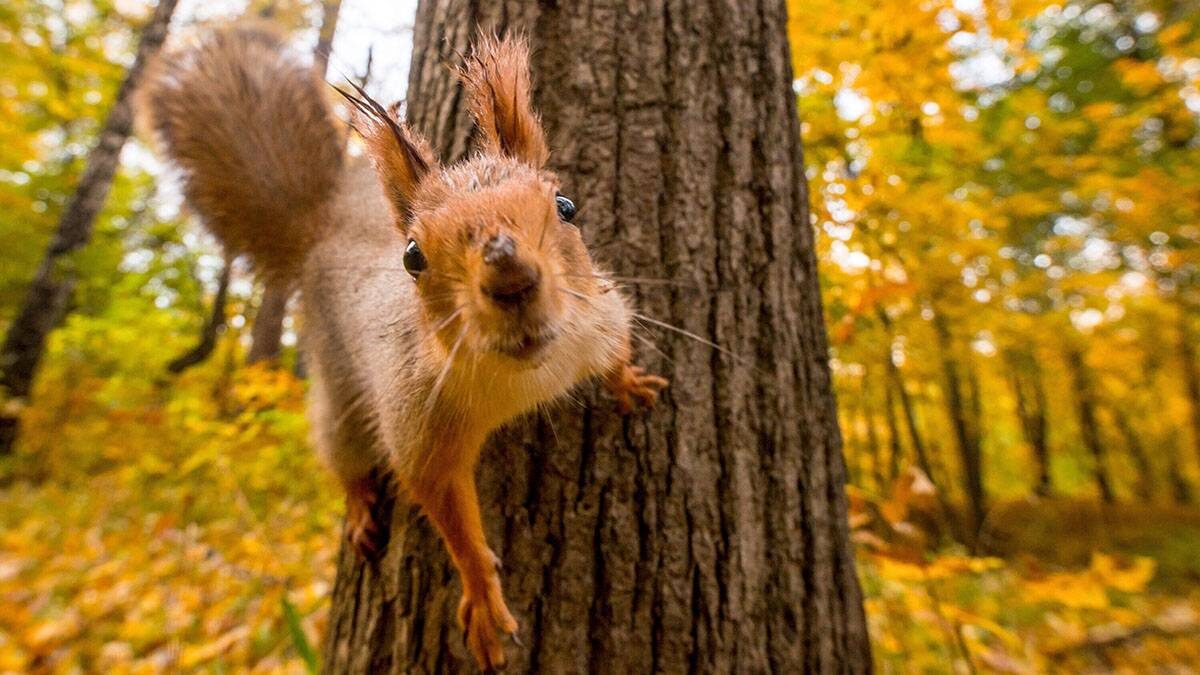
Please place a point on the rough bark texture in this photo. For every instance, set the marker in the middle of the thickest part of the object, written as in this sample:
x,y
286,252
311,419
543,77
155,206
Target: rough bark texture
x,y
709,535
46,300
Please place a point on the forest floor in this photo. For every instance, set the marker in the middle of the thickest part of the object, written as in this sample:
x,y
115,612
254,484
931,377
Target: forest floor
x,y
149,527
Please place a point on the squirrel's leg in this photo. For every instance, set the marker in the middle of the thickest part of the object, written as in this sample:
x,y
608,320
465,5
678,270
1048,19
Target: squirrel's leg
x,y
363,529
341,442
631,384
454,509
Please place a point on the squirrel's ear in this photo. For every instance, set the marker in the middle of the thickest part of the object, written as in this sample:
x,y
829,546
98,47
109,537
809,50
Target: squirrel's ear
x,y
496,76
401,157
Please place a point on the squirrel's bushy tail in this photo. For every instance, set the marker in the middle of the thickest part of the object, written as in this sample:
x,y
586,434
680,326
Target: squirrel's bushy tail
x,y
251,128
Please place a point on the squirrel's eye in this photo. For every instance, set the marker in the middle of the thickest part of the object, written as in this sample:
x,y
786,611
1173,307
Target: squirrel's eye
x,y
566,208
414,260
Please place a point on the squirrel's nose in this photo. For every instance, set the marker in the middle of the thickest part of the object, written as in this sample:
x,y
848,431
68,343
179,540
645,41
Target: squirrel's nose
x,y
509,282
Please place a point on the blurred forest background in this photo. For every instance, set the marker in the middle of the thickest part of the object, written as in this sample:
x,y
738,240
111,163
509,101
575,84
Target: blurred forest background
x,y
1008,200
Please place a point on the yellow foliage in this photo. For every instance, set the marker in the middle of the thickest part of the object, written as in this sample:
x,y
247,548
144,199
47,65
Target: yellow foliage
x,y
159,527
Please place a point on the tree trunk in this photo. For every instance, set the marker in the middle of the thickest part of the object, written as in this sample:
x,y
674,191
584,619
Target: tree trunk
x,y
854,442
1030,396
1137,452
906,404
212,328
970,456
1191,377
1088,428
873,449
46,301
1181,491
330,9
267,330
709,535
895,450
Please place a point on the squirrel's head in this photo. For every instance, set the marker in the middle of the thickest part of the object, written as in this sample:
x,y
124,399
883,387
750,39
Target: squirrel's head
x,y
492,245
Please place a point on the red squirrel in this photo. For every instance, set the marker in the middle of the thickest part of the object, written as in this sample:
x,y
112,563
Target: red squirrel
x,y
438,302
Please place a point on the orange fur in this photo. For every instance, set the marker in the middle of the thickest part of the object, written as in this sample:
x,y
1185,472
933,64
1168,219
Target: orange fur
x,y
496,75
408,373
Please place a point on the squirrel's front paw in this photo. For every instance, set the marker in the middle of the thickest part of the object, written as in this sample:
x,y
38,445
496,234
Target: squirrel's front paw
x,y
363,530
484,619
631,384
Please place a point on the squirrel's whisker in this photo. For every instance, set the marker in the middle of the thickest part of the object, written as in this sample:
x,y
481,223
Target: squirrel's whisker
x,y
446,322
435,391
655,348
387,268
704,341
633,280
570,291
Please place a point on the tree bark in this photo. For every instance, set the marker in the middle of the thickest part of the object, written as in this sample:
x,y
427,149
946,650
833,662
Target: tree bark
x,y
1089,429
49,293
212,327
709,535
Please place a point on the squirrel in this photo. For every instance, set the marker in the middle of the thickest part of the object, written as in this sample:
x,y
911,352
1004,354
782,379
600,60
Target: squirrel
x,y
438,302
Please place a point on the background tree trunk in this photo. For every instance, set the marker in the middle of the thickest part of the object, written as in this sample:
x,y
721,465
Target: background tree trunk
x,y
906,404
49,293
330,10
1085,403
1029,393
267,330
895,451
873,445
709,535
969,452
1191,377
212,328
1144,485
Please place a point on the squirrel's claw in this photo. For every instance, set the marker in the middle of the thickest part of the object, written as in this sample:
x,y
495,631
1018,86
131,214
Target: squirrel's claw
x,y
632,385
483,621
362,530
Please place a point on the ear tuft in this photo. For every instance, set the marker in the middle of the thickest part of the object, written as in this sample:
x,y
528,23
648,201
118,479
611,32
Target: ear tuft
x,y
496,76
400,155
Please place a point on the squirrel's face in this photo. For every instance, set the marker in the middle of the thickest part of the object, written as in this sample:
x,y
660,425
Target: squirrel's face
x,y
499,264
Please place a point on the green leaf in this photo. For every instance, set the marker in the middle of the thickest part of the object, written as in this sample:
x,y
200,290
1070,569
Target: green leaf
x,y
299,639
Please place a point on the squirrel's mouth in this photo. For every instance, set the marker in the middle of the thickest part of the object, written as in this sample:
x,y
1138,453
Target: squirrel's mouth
x,y
526,345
